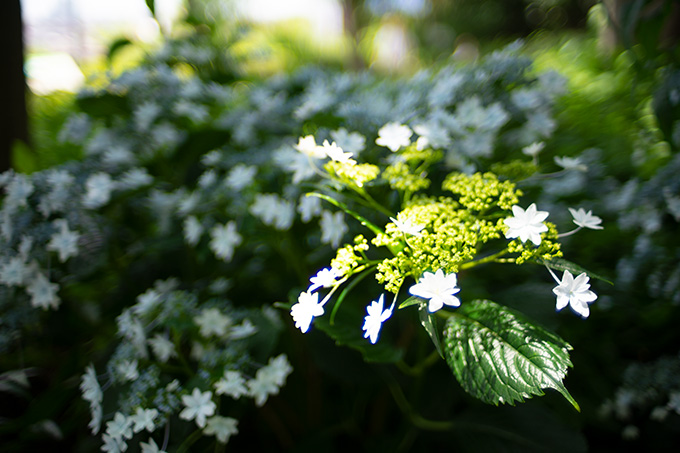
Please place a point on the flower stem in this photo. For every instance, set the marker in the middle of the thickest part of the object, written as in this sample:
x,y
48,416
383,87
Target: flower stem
x,y
489,258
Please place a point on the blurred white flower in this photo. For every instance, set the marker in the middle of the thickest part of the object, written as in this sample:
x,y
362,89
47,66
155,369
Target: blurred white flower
x,y
43,293
223,240
243,330
127,369
574,292
211,321
533,149
375,318
240,176
273,211
305,310
198,406
570,163
394,136
64,241
309,207
143,419
333,227
221,427
527,225
150,447
162,347
98,190
120,427
586,219
307,146
193,230
352,142
438,288
334,152
135,178
14,272
232,384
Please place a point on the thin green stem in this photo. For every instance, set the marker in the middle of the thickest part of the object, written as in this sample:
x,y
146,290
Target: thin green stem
x,y
419,368
417,420
189,441
490,258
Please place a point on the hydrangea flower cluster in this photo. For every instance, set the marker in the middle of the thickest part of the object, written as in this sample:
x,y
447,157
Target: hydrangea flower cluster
x,y
431,239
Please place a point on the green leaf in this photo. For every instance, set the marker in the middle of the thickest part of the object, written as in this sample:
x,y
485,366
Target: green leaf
x,y
117,46
429,322
564,265
151,4
499,356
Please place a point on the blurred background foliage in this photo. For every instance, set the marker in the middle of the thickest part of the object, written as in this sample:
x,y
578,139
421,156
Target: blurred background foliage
x,y
620,113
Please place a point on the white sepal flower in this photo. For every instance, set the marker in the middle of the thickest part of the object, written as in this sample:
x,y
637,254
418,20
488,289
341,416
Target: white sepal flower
x,y
232,384
586,219
150,447
198,406
98,190
570,163
221,427
307,145
212,322
574,292
325,278
305,310
375,318
333,227
533,149
527,225
43,293
120,427
438,288
162,347
394,136
144,420
223,240
334,152
64,242
407,227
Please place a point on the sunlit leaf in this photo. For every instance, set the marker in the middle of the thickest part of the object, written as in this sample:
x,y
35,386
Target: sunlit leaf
x,y
499,356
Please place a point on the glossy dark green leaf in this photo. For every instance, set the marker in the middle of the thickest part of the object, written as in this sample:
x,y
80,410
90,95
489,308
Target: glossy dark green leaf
x,y
500,356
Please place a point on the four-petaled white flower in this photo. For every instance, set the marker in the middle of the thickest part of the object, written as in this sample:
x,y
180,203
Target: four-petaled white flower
x,y
305,310
325,278
334,152
221,427
527,225
198,406
375,318
394,136
586,219
307,145
439,288
407,227
574,292
212,322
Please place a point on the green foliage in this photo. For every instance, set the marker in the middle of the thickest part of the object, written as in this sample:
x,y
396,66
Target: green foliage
x,y
499,356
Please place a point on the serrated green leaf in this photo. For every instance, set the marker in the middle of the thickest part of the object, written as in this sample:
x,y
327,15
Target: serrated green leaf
x,y
564,265
499,356
429,322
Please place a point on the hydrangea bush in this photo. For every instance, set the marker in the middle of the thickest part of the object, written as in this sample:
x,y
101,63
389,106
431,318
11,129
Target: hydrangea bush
x,y
193,190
